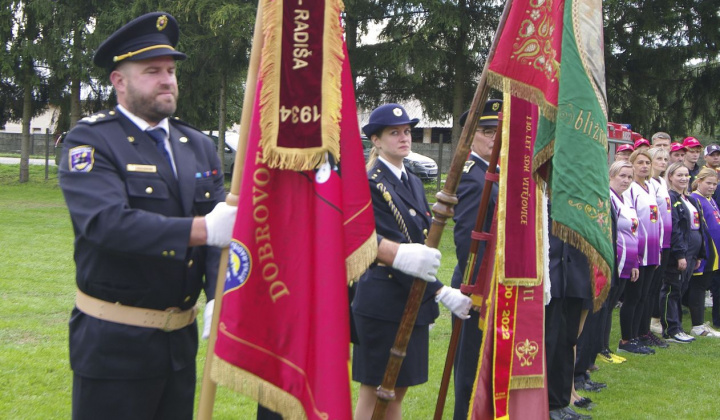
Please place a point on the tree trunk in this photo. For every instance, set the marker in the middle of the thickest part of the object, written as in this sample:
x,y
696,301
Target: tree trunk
x,y
459,92
351,26
75,110
222,111
25,143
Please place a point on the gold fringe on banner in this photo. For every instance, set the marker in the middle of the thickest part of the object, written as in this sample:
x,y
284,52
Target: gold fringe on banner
x,y
540,159
361,258
291,158
523,91
527,382
265,393
594,258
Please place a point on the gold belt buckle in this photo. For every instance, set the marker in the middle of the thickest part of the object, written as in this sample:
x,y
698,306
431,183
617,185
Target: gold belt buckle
x,y
170,313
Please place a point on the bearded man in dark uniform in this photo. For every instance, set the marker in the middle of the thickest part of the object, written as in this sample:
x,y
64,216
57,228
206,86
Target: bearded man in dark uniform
x,y
146,198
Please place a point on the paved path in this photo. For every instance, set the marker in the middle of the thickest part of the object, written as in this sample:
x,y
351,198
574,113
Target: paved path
x,y
16,161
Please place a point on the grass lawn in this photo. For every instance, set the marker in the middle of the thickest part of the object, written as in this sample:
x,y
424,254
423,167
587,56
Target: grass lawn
x,y
37,290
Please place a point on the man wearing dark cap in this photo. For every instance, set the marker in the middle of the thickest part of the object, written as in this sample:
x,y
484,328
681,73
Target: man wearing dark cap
x,y
692,155
146,198
469,191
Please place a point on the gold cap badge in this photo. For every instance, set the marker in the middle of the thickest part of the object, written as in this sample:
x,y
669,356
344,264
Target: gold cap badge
x,y
397,112
161,23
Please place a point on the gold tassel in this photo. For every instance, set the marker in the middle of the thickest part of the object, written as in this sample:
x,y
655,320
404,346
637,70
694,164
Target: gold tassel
x,y
594,258
331,96
523,91
361,258
265,393
527,382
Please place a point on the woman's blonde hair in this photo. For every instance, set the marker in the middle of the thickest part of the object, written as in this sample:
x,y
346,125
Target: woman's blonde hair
x,y
372,157
617,166
704,173
637,153
671,171
657,152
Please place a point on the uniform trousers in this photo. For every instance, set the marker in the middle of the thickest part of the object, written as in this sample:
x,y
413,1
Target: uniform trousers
x,y
170,397
465,366
267,414
698,285
589,343
609,307
562,323
715,292
653,302
636,294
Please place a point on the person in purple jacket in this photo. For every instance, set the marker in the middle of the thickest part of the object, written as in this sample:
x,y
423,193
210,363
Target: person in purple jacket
x,y
704,185
650,323
626,245
642,196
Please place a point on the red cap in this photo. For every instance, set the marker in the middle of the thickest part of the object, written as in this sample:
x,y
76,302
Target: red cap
x,y
676,147
691,142
639,142
624,147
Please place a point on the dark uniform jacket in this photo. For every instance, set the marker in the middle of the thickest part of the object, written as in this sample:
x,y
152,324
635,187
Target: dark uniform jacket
x,y
682,219
469,191
383,291
132,220
570,270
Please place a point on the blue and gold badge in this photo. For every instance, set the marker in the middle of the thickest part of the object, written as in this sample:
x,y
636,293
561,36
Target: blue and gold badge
x,y
239,265
81,158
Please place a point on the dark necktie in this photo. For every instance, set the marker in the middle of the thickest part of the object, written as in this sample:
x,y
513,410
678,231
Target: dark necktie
x,y
159,136
405,181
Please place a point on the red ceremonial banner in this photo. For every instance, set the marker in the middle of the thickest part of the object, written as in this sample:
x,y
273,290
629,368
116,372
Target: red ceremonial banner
x,y
300,98
512,358
528,52
283,336
519,259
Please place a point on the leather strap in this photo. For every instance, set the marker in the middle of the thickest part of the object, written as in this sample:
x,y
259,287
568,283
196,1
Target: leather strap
x,y
170,319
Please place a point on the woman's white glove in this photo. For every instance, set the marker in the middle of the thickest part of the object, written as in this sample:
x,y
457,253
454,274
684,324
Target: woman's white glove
x,y
207,319
418,261
219,224
455,301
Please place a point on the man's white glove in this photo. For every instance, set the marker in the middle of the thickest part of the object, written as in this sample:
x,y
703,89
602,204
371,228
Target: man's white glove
x,y
418,261
207,319
219,224
455,301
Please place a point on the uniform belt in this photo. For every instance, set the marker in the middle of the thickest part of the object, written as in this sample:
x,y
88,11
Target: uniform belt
x,y
170,319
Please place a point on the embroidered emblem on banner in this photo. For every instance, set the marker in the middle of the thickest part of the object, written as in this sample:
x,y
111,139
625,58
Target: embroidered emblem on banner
x,y
239,265
526,352
81,158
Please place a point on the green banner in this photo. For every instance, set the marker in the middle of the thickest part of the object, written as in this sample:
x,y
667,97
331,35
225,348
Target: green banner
x,y
571,152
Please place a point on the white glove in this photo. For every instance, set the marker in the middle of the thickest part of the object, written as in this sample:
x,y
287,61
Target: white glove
x,y
219,224
418,261
455,301
207,319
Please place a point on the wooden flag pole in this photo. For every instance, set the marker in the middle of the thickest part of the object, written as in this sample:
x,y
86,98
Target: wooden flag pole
x,y
482,210
443,209
469,269
208,388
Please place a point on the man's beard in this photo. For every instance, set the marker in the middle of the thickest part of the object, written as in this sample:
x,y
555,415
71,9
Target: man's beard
x,y
149,107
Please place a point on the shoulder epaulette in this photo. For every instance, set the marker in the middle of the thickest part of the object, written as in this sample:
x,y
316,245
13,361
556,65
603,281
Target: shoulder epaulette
x,y
178,121
99,117
469,164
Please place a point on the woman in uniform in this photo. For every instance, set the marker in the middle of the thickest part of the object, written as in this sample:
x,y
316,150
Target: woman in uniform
x,y
641,195
686,247
402,221
704,186
650,323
